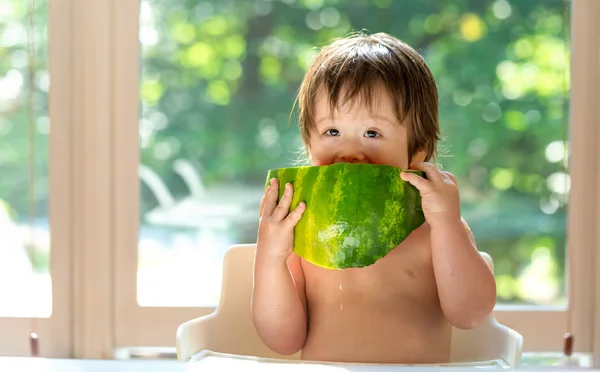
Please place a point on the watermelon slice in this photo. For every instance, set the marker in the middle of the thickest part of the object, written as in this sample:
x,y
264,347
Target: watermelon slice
x,y
355,213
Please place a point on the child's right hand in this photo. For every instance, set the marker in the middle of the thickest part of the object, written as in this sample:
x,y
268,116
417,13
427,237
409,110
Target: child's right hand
x,y
276,226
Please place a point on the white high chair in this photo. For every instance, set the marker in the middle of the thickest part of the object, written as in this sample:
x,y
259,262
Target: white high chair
x,y
229,330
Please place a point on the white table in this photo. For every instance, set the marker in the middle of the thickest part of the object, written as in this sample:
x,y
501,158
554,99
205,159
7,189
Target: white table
x,y
73,365
208,364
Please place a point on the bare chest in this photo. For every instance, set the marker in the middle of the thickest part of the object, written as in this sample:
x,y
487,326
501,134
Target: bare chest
x,y
404,275
387,311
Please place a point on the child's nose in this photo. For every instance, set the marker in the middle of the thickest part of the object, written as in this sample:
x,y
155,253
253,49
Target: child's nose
x,y
351,157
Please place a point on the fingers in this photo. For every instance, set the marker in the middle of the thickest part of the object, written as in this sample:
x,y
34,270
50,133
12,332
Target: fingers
x,y
264,203
417,181
430,170
263,200
279,212
284,204
433,176
269,201
294,216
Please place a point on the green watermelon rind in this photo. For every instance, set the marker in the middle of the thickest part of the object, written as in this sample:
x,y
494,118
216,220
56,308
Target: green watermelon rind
x,y
334,237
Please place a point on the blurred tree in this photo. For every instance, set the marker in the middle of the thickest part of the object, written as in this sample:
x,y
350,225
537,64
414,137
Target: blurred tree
x,y
219,79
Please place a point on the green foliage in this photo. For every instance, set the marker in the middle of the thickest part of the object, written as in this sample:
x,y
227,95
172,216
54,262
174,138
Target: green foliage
x,y
500,68
219,79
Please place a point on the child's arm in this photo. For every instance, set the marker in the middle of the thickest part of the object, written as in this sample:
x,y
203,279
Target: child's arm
x,y
279,304
278,299
466,285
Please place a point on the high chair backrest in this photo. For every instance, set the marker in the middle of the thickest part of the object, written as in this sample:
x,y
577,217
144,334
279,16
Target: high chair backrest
x,y
491,340
229,329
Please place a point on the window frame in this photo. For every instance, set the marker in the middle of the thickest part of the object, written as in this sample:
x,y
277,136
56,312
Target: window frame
x,y
542,327
543,330
94,194
14,338
584,165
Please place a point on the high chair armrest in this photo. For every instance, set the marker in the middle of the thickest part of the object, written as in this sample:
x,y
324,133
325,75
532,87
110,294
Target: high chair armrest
x,y
192,335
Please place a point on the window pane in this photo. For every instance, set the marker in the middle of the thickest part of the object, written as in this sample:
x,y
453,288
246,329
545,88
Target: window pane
x,y
25,286
218,83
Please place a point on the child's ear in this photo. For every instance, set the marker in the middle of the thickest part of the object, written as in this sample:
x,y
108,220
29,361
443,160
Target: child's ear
x,y
419,156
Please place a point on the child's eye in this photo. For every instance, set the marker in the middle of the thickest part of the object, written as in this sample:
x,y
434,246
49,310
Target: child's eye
x,y
371,134
332,132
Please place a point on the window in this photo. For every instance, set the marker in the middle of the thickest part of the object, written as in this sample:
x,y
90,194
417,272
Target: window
x,y
217,85
156,105
217,82
25,257
34,269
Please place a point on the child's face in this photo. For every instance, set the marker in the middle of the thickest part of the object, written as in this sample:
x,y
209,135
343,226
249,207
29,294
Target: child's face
x,y
358,134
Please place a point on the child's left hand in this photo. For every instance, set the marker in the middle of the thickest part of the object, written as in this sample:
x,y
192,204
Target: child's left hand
x,y
439,193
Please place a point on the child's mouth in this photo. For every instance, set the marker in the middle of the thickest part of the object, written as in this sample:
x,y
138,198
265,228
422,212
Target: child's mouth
x,y
351,162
